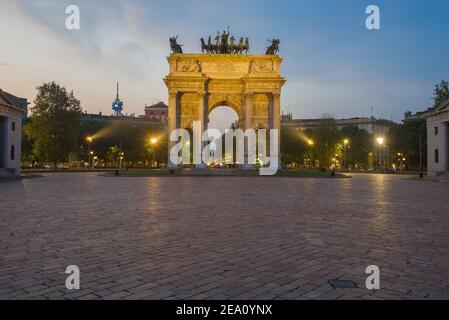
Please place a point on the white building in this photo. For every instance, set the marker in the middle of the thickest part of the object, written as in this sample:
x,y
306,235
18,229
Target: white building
x,y
378,127
438,140
12,111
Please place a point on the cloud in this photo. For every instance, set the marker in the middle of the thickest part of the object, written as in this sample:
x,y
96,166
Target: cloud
x,y
341,67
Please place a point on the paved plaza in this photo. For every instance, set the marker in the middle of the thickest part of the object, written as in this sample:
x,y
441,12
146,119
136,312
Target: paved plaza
x,y
223,237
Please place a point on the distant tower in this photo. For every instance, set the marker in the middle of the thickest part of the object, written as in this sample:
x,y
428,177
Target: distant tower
x,y
117,105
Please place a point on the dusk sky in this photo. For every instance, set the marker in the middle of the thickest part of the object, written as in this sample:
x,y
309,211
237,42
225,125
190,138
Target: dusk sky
x,y
332,63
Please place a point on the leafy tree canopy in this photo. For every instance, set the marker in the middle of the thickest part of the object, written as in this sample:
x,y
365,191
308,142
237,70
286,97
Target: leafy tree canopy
x,y
441,93
55,123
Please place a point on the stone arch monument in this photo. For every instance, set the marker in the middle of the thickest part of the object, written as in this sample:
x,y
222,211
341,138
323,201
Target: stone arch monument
x,y
250,84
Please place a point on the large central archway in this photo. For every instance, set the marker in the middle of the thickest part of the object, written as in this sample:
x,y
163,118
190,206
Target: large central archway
x,y
249,84
222,118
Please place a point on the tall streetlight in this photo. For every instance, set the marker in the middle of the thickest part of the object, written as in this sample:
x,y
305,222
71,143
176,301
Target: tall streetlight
x,y
345,145
381,144
311,144
153,142
89,140
121,154
380,141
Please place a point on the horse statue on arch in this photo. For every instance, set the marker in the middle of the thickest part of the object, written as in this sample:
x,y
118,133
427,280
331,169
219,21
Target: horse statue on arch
x,y
274,47
246,46
175,47
233,48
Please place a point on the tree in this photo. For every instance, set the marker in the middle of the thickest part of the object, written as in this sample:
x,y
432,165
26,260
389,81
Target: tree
x,y
55,123
404,139
293,146
131,139
27,146
326,139
441,93
358,148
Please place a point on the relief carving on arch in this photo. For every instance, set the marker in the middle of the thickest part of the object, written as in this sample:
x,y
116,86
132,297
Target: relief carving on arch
x,y
261,105
190,66
261,67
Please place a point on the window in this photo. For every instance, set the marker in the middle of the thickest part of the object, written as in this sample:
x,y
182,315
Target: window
x,y
437,156
436,131
13,126
13,151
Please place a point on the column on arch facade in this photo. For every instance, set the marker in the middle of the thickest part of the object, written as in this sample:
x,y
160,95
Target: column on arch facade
x,y
276,119
172,121
202,117
249,124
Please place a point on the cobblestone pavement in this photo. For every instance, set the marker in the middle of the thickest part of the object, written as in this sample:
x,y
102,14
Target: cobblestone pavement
x,y
223,237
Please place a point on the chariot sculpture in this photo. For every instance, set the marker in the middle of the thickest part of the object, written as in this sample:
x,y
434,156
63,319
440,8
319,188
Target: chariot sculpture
x,y
225,44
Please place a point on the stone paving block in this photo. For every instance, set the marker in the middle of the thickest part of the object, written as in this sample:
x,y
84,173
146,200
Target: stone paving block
x,y
140,238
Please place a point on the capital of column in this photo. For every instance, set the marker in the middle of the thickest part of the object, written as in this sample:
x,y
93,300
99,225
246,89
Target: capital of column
x,y
201,94
173,94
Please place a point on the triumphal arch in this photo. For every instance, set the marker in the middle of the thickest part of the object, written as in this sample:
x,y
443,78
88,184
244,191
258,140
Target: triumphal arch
x,y
250,84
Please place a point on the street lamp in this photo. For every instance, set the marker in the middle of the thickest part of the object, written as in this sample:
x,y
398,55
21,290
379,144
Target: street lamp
x,y
380,141
153,142
91,158
121,160
381,144
310,143
345,145
90,139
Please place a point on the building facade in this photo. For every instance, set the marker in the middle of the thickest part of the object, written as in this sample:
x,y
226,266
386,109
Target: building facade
x,y
12,111
377,127
158,111
438,140
140,120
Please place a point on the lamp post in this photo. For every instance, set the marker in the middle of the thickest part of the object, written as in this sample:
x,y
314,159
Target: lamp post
x,y
153,142
345,145
121,160
311,144
381,144
120,155
89,140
